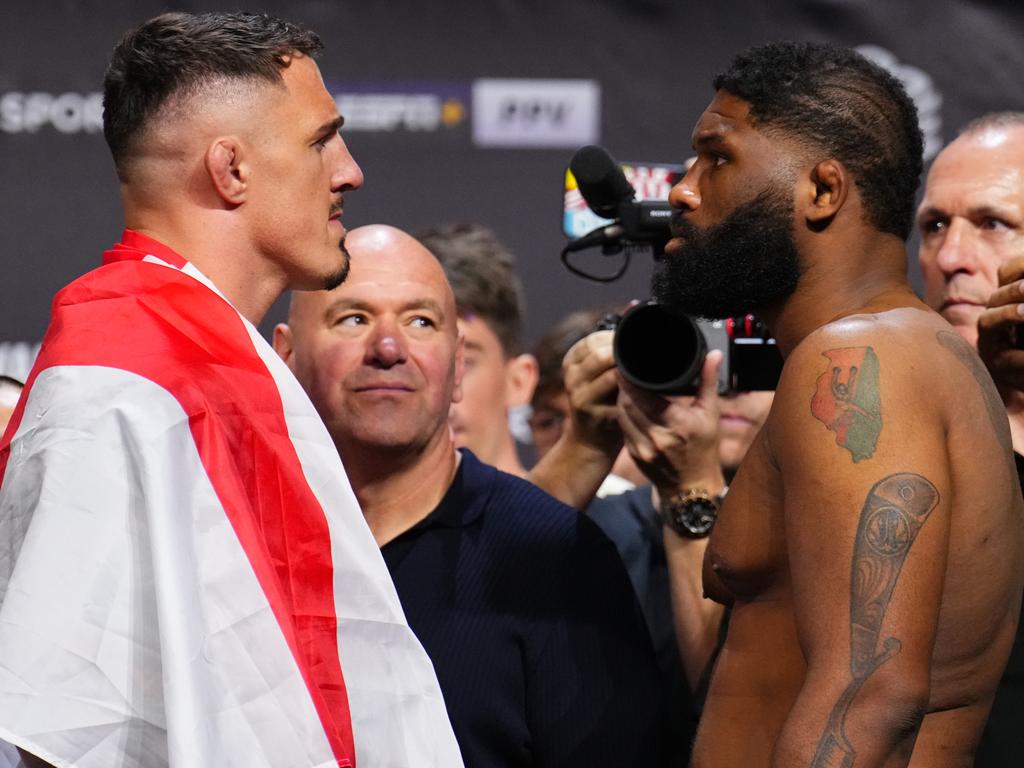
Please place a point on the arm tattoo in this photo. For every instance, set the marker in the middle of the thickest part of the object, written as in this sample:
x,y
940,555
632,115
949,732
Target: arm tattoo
x,y
847,400
895,510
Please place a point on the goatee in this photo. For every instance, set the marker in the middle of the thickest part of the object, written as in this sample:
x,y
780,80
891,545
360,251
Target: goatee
x,y
742,265
338,277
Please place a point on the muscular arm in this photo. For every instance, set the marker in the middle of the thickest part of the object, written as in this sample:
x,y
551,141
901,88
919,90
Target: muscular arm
x,y
578,463
865,477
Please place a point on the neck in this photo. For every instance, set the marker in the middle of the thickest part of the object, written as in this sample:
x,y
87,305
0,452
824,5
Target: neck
x,y
395,488
864,279
506,457
210,240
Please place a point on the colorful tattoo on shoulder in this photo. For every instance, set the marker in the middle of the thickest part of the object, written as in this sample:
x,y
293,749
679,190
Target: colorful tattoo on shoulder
x,y
895,510
847,399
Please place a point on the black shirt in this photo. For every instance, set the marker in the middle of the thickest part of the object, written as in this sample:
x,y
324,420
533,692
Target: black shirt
x,y
525,609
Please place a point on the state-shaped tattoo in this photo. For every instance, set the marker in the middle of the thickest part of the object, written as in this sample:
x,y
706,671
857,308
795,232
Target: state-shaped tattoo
x,y
847,400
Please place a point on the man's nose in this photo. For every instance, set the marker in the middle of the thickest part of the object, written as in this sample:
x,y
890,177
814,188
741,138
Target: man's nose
x,y
386,348
684,195
347,173
958,250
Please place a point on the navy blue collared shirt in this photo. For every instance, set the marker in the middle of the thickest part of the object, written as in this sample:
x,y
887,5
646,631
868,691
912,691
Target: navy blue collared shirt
x,y
526,611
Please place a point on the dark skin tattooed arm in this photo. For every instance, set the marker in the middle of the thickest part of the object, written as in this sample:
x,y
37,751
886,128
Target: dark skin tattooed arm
x,y
847,400
895,510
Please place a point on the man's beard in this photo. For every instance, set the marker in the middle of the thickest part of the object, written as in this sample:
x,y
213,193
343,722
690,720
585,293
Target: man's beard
x,y
338,277
742,265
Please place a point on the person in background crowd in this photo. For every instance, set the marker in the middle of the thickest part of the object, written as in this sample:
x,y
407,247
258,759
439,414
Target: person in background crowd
x,y
550,406
10,391
971,223
187,577
520,601
871,544
499,377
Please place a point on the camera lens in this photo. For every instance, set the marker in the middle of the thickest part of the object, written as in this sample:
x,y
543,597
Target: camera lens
x,y
658,349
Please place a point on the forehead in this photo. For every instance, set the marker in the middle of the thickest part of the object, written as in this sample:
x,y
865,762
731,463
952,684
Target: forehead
x,y
976,171
725,117
306,90
402,270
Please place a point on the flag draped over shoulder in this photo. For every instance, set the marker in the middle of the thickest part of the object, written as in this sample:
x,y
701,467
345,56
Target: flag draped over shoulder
x,y
186,578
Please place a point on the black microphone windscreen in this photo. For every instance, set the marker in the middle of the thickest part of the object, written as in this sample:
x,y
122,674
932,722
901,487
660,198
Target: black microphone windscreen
x,y
601,180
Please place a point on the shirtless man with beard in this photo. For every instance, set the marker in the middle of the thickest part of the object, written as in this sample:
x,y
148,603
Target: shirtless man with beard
x,y
871,543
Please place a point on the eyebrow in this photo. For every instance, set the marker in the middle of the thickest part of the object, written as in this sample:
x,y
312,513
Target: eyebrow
x,y
708,138
331,126
973,211
362,305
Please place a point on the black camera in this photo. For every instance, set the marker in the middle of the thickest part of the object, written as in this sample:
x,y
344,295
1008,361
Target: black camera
x,y
661,350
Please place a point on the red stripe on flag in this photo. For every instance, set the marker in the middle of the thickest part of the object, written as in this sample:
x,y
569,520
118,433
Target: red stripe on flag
x,y
128,315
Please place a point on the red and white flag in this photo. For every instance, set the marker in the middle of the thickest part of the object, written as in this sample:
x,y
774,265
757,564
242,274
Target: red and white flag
x,y
186,578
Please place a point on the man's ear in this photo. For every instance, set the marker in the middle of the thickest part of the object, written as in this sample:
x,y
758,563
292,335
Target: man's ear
x,y
460,367
283,343
827,190
521,374
228,169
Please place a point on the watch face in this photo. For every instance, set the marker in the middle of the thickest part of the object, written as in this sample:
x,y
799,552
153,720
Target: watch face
x,y
697,516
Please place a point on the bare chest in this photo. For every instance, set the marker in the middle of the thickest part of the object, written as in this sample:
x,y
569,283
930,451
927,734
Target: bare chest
x,y
746,558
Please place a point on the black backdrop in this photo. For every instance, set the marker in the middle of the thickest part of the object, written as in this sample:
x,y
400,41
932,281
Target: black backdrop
x,y
652,61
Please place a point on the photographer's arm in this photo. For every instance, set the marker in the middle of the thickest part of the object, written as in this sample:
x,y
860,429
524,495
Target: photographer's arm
x,y
1001,343
578,463
674,440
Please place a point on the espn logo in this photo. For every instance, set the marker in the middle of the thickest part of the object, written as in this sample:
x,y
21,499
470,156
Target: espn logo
x,y
536,113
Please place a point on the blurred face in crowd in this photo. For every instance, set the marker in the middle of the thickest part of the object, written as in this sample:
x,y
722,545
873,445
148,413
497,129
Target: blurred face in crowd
x,y
380,356
741,416
550,410
493,383
971,220
9,394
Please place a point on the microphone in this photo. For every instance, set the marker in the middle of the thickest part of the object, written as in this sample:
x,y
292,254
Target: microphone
x,y
609,194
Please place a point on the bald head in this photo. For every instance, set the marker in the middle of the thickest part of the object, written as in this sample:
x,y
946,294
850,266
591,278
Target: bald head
x,y
380,254
971,218
380,355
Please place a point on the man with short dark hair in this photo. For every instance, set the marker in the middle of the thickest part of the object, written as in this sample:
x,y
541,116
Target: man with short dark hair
x,y
499,376
971,222
871,544
520,601
186,578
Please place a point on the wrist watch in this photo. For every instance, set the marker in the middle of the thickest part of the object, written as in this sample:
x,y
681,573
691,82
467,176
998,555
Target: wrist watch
x,y
691,513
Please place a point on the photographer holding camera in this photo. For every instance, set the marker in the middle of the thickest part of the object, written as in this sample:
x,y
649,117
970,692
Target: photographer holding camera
x,y
688,446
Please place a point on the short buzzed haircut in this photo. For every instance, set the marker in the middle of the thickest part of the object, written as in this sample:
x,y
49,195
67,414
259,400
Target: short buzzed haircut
x,y
177,54
482,274
836,101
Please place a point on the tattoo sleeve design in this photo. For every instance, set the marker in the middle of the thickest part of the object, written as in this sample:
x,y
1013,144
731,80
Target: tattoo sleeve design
x,y
895,510
847,400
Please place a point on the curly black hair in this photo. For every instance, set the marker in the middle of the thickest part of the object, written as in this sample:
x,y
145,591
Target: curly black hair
x,y
837,101
178,53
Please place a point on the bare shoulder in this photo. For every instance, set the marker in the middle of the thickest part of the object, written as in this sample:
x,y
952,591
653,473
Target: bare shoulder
x,y
865,378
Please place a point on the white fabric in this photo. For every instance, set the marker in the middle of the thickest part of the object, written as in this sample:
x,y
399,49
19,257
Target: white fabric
x,y
133,631
613,485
